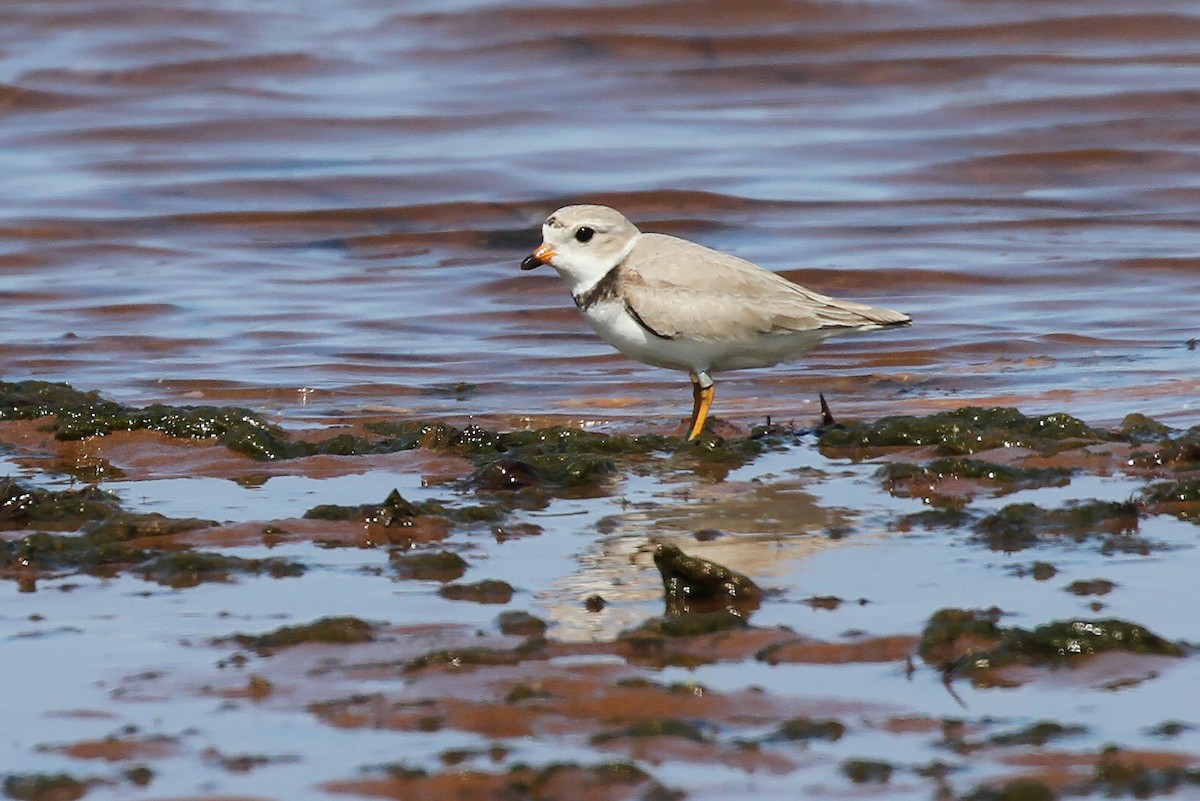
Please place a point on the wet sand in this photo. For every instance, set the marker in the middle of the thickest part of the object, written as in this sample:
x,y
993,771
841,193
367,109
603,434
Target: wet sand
x,y
316,214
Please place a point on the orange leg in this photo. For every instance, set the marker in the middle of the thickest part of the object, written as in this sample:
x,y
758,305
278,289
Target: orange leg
x,y
703,391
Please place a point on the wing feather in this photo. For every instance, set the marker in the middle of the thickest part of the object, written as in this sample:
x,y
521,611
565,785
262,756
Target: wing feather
x,y
681,289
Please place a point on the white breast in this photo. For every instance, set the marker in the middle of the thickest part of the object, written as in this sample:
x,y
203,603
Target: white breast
x,y
616,326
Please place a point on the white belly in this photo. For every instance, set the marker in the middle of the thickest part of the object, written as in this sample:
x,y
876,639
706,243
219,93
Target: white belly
x,y
618,328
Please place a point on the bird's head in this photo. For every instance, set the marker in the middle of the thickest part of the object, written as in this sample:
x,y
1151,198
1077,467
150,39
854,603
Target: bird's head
x,y
583,243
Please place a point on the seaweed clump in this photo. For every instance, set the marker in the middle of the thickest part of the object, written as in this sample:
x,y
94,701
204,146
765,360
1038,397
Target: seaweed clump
x,y
1017,790
326,630
1181,452
90,532
488,591
654,727
44,787
908,480
1119,774
555,457
803,729
1180,498
691,584
972,643
703,600
191,568
78,415
1023,525
461,657
395,510
433,566
965,431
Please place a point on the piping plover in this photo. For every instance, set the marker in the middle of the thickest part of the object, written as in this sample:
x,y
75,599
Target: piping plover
x,y
676,304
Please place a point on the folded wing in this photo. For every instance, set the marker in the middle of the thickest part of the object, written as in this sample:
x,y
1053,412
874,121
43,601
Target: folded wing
x,y
679,289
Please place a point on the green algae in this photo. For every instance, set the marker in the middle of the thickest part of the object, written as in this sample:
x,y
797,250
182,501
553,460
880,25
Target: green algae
x,y
191,568
533,783
1018,790
971,642
689,625
1037,734
965,431
654,727
560,455
1118,775
1019,526
326,630
30,400
403,771
22,506
95,513
1179,498
1090,587
950,632
618,773
712,456
395,510
521,624
664,641
1183,491
79,415
864,771
139,775
104,538
526,692
488,591
555,458
46,552
232,427
43,787
938,517
458,657
1170,728
1042,571
905,479
803,729
433,566
691,584
1181,452
690,688
1140,428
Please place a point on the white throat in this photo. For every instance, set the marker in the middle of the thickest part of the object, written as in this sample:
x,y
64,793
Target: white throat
x,y
582,274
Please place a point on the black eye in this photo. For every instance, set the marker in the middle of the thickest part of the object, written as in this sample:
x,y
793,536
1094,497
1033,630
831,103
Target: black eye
x,y
584,233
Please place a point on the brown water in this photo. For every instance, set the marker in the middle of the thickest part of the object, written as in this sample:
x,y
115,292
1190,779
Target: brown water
x,y
319,208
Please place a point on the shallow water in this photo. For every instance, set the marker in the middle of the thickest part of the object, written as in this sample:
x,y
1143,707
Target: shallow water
x,y
153,671
306,209
317,211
